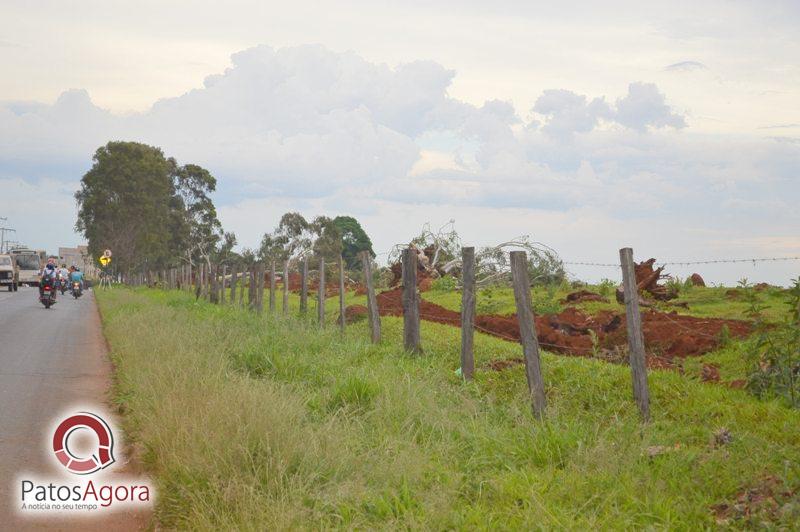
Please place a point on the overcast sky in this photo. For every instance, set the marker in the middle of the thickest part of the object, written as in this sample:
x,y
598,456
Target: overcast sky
x,y
672,127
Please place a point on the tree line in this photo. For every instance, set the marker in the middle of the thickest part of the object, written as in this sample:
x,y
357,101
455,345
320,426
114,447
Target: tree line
x,y
155,213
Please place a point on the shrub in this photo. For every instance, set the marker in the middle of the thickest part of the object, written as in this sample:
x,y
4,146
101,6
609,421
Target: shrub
x,y
607,287
446,283
487,303
547,303
775,356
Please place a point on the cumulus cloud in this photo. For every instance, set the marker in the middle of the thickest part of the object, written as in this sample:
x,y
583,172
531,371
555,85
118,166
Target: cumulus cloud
x,y
568,112
307,128
645,107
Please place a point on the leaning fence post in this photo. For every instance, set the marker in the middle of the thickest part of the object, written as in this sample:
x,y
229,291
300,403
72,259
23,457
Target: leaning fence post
x,y
321,292
527,331
372,302
633,317
286,287
341,293
304,286
467,312
411,338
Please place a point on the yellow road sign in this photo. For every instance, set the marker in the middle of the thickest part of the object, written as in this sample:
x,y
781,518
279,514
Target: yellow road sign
x,y
104,260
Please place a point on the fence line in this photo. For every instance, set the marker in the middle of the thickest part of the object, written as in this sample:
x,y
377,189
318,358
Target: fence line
x,y
210,281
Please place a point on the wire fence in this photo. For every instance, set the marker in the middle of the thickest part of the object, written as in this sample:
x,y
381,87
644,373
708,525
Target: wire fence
x,y
213,282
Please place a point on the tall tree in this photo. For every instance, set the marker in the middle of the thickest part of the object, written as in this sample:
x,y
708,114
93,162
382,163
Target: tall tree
x,y
147,209
194,185
128,203
354,240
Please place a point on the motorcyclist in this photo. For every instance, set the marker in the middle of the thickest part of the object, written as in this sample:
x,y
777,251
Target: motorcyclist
x,y
63,277
76,275
48,273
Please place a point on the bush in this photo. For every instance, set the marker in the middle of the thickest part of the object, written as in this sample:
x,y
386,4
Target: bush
x,y
547,303
607,287
775,356
444,284
486,302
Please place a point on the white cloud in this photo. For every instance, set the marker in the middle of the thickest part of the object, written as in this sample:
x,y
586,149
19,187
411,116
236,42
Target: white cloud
x,y
685,66
645,107
569,113
304,128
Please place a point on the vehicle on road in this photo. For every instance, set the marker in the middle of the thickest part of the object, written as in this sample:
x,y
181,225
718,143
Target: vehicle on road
x,y
77,291
29,263
47,294
8,273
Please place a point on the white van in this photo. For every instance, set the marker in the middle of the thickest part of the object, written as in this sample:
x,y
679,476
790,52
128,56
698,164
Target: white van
x,y
8,273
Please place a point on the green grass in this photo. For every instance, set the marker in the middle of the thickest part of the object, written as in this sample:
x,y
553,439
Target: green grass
x,y
702,302
258,422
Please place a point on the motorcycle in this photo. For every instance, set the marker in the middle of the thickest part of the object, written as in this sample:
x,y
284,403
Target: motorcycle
x,y
77,291
62,285
48,293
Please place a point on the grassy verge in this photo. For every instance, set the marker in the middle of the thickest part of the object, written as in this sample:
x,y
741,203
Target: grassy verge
x,y
254,422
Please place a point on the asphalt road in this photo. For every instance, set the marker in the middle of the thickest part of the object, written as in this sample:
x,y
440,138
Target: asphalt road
x,y
50,361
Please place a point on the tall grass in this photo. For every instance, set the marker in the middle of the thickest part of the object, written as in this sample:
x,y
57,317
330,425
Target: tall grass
x,y
257,422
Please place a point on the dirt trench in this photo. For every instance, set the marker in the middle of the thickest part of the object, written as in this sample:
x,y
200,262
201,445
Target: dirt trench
x,y
572,332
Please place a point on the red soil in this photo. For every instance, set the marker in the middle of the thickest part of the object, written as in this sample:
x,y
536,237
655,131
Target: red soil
x,y
667,335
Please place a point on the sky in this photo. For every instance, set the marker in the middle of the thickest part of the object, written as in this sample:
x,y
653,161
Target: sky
x,y
672,128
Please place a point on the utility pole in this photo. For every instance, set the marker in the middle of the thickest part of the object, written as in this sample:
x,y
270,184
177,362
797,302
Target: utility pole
x,y
3,231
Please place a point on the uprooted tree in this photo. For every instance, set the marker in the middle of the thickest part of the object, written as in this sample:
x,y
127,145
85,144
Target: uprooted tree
x,y
439,254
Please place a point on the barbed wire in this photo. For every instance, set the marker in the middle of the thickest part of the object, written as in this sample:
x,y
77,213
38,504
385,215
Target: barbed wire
x,y
688,262
726,261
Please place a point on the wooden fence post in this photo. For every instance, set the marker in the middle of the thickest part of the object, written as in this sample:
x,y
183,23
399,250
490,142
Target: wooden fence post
x,y
638,362
411,336
233,283
272,288
198,282
372,301
304,287
243,277
341,293
212,283
321,292
527,331
286,287
251,287
467,312
260,287
222,285
209,276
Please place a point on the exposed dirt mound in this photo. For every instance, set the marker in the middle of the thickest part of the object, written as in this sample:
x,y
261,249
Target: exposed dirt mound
x,y
667,335
697,280
733,293
354,313
583,295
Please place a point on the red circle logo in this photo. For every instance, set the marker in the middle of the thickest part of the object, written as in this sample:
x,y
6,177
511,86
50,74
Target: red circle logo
x,y
102,457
